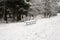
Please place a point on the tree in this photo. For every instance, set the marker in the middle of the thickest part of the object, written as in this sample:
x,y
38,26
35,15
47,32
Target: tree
x,y
46,7
50,7
36,7
15,6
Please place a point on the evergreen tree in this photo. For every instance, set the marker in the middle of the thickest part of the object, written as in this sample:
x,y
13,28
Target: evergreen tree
x,y
15,6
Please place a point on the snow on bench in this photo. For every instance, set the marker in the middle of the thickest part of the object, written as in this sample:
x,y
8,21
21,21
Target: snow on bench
x,y
30,22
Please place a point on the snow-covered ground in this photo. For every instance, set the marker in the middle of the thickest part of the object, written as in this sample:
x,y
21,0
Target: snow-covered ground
x,y
44,29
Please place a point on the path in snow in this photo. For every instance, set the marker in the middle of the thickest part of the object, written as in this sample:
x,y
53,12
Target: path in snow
x,y
44,29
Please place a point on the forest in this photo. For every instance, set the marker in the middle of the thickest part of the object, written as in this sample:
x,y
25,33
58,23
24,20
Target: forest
x,y
16,10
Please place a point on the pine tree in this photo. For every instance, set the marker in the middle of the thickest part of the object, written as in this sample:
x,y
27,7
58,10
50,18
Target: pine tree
x,y
15,6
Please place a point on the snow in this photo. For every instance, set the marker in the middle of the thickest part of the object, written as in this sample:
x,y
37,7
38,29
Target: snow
x,y
44,29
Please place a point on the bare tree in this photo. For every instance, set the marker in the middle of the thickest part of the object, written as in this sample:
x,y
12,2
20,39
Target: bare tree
x,y
46,7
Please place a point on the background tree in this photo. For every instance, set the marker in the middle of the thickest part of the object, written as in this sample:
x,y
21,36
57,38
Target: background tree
x,y
15,7
46,7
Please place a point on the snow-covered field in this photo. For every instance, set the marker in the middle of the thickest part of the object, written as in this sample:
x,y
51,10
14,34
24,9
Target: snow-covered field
x,y
44,29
